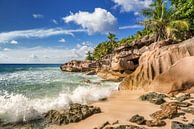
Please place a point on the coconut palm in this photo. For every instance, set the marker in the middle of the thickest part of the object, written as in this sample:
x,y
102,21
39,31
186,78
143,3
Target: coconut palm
x,y
162,23
89,56
112,37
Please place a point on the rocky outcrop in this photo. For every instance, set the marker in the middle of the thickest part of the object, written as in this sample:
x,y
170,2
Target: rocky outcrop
x,y
124,60
178,78
110,75
75,113
160,69
79,66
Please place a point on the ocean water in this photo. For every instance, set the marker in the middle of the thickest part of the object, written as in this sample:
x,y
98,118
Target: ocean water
x,y
28,90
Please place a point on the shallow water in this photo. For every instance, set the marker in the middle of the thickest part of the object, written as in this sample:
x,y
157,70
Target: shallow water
x,y
26,91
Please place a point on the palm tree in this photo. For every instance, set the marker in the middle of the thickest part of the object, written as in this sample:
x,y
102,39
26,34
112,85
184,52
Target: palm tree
x,y
161,21
89,56
112,37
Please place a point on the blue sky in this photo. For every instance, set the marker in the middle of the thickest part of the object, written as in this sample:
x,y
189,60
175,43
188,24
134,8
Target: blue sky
x,y
48,31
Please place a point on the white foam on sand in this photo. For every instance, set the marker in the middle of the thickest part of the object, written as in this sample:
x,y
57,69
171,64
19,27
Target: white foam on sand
x,y
17,107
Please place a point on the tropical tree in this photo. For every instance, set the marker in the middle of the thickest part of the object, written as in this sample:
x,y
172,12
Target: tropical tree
x,y
184,9
89,56
163,23
111,37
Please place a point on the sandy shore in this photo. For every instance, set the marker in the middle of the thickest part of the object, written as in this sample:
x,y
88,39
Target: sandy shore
x,y
121,105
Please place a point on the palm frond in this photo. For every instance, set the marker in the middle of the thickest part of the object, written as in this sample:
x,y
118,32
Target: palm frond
x,y
182,25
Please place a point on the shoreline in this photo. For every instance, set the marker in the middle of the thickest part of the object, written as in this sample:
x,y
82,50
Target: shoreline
x,y
121,106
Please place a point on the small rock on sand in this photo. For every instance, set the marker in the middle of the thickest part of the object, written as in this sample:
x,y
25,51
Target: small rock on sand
x,y
183,97
140,120
169,110
154,97
155,123
179,125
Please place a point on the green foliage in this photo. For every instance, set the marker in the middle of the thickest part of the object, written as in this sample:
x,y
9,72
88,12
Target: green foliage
x,y
112,37
162,21
89,56
134,37
184,9
105,48
175,21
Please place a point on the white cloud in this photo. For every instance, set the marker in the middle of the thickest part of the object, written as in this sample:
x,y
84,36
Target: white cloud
x,y
132,5
13,42
130,27
37,16
6,49
43,55
55,21
62,40
35,33
98,21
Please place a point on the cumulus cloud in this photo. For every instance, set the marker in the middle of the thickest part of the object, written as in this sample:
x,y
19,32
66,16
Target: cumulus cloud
x,y
37,16
98,21
35,33
43,55
132,5
62,40
13,42
130,27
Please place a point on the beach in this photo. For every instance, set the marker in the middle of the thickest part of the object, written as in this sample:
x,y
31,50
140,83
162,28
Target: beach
x,y
121,106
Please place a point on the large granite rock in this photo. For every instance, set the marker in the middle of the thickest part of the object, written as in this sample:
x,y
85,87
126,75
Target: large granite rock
x,y
124,60
161,68
178,78
79,66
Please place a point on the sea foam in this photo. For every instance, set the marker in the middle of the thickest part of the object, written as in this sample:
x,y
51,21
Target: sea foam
x,y
17,107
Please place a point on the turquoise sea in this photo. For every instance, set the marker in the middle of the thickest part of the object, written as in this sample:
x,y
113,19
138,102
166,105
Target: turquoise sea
x,y
27,90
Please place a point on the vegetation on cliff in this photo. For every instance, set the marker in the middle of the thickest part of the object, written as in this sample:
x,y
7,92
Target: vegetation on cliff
x,y
174,19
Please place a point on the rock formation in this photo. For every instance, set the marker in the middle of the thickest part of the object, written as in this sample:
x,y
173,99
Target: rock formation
x,y
124,60
154,66
161,68
75,113
78,66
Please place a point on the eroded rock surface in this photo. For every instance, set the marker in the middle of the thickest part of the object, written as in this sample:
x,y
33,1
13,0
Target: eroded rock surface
x,y
79,66
179,125
162,69
140,120
183,97
155,123
154,97
124,60
189,110
169,110
75,113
